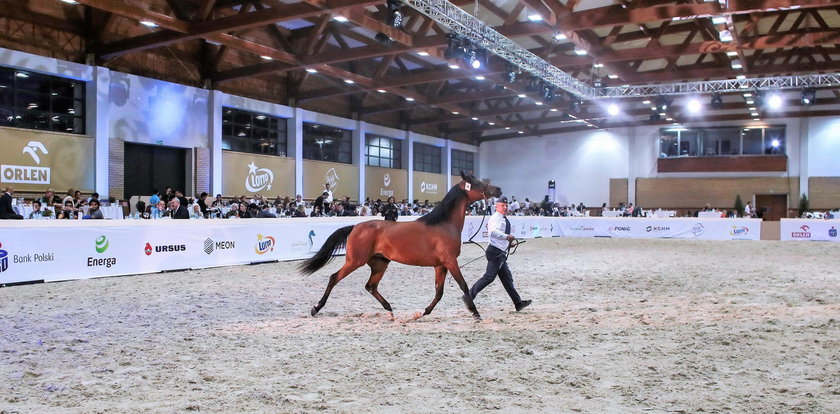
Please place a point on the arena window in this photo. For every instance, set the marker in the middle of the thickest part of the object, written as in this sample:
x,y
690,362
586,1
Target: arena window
x,y
34,101
252,132
462,161
383,152
326,143
702,142
426,158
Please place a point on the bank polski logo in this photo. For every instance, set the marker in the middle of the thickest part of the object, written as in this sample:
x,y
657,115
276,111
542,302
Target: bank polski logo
x,y
832,232
265,244
387,180
331,177
4,259
258,179
24,174
102,244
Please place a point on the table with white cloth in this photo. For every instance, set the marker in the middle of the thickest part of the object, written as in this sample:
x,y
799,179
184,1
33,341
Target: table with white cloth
x,y
108,212
26,209
612,213
661,213
709,214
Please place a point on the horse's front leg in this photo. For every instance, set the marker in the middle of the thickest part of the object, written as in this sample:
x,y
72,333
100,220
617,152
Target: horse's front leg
x,y
440,278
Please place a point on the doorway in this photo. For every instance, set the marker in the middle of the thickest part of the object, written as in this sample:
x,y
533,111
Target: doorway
x,y
149,167
773,207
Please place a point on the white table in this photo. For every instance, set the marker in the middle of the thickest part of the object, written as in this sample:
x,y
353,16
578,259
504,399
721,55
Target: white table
x,y
108,212
710,214
661,213
26,209
612,213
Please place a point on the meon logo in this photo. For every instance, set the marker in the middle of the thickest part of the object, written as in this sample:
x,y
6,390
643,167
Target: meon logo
x,y
332,177
101,244
619,228
430,188
258,178
22,174
387,180
148,249
265,244
4,259
657,228
804,234
832,232
210,245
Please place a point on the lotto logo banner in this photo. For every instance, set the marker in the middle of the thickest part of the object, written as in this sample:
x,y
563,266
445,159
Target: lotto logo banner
x,y
810,230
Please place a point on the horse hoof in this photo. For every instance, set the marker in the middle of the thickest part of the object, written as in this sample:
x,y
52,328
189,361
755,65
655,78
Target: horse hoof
x,y
391,315
417,315
314,311
477,317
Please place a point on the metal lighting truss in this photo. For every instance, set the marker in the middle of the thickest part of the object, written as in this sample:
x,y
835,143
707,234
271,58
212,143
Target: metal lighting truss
x,y
464,24
729,85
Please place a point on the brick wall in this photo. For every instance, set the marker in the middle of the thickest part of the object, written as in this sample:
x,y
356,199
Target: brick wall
x,y
202,170
116,165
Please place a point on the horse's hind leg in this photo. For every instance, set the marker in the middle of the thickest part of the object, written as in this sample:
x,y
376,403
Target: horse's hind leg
x,y
378,265
349,266
440,278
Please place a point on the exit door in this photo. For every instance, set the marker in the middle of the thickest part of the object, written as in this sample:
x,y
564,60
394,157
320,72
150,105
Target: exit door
x,y
772,206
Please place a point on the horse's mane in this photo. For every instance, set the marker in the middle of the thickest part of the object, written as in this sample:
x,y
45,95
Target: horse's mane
x,y
442,211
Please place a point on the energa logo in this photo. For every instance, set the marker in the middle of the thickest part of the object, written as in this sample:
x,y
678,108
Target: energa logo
x,y
102,244
387,180
258,179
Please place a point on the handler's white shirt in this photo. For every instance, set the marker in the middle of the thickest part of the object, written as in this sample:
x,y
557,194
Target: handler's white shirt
x,y
496,226
329,198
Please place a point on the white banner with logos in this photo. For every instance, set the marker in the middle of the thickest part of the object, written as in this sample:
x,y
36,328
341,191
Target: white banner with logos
x,y
810,230
61,250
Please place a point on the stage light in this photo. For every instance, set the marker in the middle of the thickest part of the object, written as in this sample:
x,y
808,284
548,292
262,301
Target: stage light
x,y
383,39
381,90
717,101
148,23
612,76
662,103
533,85
613,110
340,19
775,101
694,105
510,75
394,18
559,36
535,18
349,81
599,83
311,70
736,64
454,66
455,49
575,106
477,58
809,96
775,143
521,95
580,52
548,93
409,99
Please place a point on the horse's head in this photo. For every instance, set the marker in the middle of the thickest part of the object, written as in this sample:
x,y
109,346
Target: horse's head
x,y
477,189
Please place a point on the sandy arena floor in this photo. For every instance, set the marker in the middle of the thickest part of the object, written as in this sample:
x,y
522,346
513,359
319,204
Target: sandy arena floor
x,y
617,326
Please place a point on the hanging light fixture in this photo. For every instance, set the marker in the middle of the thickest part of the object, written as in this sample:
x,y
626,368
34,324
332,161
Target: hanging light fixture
x,y
394,18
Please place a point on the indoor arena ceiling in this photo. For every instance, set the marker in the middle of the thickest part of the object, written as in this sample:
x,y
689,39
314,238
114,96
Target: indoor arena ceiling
x,y
342,57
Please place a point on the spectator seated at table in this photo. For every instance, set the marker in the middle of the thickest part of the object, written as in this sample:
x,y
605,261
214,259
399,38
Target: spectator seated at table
x,y
94,212
321,202
218,202
6,210
36,213
195,212
153,200
243,211
708,207
202,204
300,211
142,209
265,212
78,201
50,199
69,196
159,210
233,212
637,212
68,211
178,211
94,196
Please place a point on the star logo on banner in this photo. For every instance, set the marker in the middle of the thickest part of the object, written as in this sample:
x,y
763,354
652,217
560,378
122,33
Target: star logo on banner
x,y
252,168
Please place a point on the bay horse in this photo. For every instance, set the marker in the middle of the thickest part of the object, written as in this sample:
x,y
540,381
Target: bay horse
x,y
431,240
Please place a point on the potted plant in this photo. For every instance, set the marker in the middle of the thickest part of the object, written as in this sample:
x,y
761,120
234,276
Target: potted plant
x,y
739,206
803,205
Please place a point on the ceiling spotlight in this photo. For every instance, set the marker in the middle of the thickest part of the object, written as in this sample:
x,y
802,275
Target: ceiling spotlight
x,y
535,17
454,66
580,52
510,75
718,20
775,101
725,36
311,70
694,106
575,106
553,109
381,90
599,83
613,109
340,19
491,123
548,93
74,2
264,57
731,53
474,118
349,81
538,103
455,112
558,37
717,101
423,53
775,143
521,95
409,99
736,64
383,39
477,58
456,48
662,103
479,77
394,18
148,23
809,96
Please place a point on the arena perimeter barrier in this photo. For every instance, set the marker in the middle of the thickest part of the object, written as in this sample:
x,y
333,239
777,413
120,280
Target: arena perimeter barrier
x,y
54,250
809,230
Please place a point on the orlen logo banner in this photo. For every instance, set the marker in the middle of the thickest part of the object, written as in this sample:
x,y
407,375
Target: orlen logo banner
x,y
37,160
804,233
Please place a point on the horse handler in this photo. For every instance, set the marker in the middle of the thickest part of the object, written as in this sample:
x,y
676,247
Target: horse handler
x,y
500,238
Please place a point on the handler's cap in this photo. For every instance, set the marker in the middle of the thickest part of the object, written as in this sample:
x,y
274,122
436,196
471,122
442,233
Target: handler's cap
x,y
502,200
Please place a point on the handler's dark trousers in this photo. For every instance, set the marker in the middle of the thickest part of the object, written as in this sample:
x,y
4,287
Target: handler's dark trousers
x,y
496,265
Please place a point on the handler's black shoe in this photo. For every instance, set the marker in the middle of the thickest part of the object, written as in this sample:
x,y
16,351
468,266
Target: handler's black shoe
x,y
522,305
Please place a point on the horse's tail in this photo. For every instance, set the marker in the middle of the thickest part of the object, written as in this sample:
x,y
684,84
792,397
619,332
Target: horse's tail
x,y
336,241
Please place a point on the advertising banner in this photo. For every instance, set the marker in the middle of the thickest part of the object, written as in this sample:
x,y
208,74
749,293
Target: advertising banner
x,y
428,186
381,183
35,161
78,249
249,174
809,230
343,179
